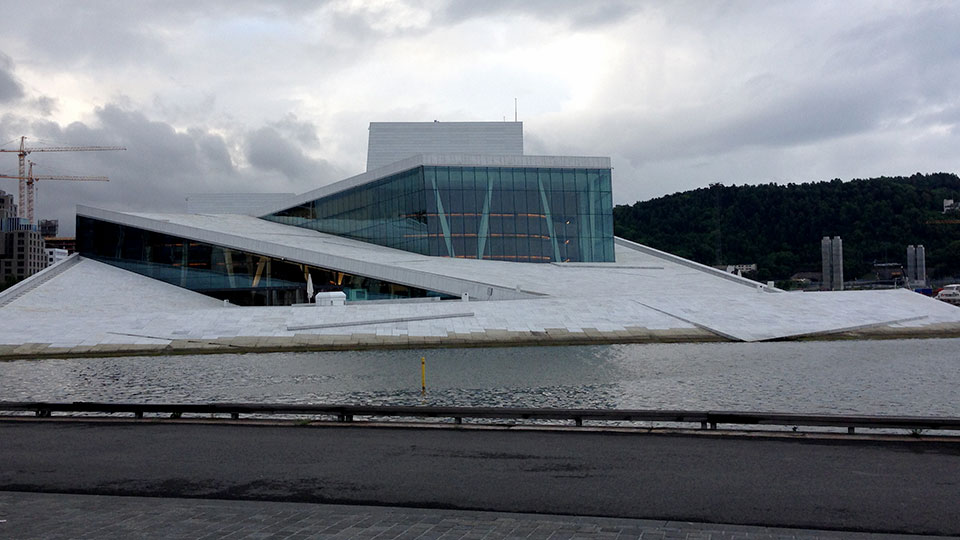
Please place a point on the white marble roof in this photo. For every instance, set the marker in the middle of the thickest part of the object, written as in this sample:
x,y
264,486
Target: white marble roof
x,y
92,303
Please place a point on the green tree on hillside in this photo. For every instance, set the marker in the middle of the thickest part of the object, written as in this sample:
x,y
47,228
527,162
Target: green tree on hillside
x,y
779,227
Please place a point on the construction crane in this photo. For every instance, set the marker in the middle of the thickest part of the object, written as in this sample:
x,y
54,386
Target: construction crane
x,y
31,179
26,184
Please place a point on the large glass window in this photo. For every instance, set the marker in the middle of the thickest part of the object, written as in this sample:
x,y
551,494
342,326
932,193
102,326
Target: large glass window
x,y
243,278
503,213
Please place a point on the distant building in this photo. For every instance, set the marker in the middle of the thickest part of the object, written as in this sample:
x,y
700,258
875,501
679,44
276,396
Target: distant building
x,y
21,254
68,243
950,206
49,227
806,279
916,266
7,208
890,272
831,253
55,255
21,246
737,269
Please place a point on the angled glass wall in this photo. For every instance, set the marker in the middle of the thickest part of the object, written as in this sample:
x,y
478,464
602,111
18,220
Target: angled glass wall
x,y
243,278
501,213
389,212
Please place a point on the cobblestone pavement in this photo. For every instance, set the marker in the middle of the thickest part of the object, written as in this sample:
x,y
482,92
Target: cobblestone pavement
x,y
60,516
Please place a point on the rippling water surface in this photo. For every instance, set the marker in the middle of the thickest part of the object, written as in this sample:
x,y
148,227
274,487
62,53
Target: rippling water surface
x,y
904,377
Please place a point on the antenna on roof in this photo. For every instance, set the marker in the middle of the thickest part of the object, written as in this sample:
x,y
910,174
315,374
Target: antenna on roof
x,y
514,109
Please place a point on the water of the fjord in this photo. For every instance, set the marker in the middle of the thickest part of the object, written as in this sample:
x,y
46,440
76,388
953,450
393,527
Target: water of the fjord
x,y
895,377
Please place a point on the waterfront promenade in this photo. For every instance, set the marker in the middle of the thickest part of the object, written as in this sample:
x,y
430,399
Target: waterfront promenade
x,y
903,486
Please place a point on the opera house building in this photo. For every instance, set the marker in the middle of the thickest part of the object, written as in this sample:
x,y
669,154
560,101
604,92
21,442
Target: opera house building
x,y
453,235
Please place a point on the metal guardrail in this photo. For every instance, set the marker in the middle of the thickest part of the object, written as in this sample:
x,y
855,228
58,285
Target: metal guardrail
x,y
348,413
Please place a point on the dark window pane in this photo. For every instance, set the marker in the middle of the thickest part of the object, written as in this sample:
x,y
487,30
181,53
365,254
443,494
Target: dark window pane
x,y
468,179
456,175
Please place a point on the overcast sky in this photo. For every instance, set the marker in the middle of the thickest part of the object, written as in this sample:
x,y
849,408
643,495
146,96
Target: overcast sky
x,y
254,96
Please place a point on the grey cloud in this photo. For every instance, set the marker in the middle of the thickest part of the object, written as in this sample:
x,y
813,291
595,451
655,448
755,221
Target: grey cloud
x,y
213,149
871,79
10,88
46,105
303,132
157,144
127,33
118,34
358,27
160,167
184,107
267,149
916,52
924,36
808,114
572,13
770,79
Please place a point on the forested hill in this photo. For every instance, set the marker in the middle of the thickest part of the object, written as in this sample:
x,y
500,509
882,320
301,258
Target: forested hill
x,y
779,227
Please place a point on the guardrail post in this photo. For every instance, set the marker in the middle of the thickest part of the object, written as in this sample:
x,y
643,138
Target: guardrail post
x,y
138,414
579,421
43,413
850,430
703,425
175,415
713,425
235,415
345,418
458,420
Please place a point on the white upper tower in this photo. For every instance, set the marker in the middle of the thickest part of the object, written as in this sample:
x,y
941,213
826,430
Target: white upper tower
x,y
392,141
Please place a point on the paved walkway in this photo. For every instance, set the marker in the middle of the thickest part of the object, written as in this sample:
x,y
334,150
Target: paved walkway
x,y
905,487
61,516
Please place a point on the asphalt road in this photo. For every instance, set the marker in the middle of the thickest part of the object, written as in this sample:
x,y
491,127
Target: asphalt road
x,y
906,487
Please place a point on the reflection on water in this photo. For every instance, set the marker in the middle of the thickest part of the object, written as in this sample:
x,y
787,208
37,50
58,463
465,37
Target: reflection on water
x,y
903,377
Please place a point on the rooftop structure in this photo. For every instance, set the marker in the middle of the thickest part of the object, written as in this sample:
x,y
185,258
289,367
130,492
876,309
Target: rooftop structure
x,y
390,142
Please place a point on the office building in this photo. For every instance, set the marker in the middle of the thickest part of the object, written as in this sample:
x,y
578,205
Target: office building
x,y
49,228
21,246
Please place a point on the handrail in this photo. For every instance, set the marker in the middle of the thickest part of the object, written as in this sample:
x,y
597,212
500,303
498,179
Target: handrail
x,y
347,413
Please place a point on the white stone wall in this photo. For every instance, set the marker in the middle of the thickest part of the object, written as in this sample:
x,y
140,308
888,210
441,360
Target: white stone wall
x,y
393,141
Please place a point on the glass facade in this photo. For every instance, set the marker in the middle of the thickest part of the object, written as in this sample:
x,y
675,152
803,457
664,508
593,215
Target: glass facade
x,y
243,278
501,213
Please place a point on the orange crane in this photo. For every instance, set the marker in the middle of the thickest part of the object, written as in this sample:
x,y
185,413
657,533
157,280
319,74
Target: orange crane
x,y
31,179
26,182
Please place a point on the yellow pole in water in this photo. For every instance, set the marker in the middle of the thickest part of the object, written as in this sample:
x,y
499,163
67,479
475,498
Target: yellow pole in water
x,y
423,374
